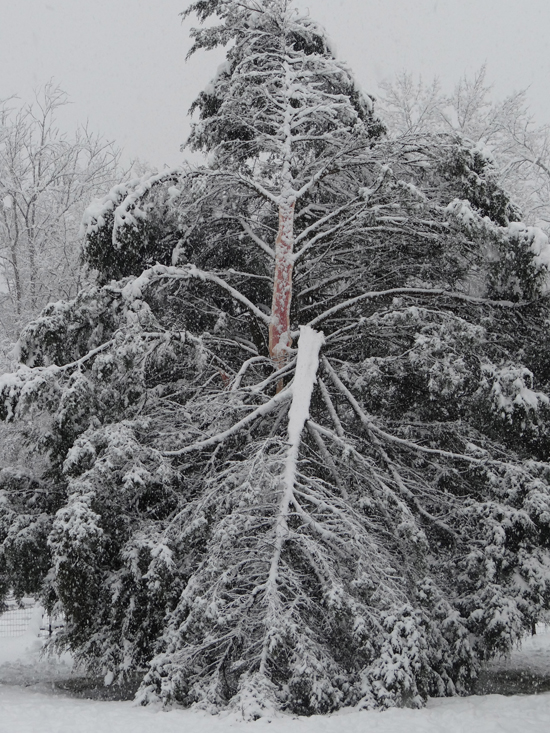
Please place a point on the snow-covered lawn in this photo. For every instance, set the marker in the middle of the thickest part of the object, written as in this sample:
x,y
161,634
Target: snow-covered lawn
x,y
24,711
29,703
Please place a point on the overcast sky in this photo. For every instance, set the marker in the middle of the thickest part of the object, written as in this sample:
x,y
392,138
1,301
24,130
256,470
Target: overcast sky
x,y
122,62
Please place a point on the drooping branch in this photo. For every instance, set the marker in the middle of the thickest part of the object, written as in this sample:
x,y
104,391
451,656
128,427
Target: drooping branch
x,y
160,272
260,411
374,429
327,458
127,212
413,292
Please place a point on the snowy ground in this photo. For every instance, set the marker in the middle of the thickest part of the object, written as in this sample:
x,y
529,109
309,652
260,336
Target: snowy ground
x,y
25,711
31,702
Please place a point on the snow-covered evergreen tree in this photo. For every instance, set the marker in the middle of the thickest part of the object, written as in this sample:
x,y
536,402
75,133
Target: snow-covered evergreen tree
x,y
299,460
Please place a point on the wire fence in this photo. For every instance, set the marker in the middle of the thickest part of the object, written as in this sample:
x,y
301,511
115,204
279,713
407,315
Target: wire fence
x,y
16,619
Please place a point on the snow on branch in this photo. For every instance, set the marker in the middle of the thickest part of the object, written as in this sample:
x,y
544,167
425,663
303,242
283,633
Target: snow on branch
x,y
260,242
245,180
372,428
307,365
126,211
237,427
135,287
324,219
300,392
430,292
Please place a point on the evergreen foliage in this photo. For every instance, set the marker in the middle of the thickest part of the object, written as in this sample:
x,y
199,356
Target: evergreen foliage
x,y
357,513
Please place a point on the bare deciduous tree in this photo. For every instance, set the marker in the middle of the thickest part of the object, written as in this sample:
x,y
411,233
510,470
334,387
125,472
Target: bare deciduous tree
x,y
507,130
46,179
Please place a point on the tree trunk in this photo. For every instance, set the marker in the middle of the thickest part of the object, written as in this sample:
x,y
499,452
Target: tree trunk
x,y
279,329
14,261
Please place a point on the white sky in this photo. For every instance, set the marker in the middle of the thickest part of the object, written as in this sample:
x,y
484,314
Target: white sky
x,y
122,62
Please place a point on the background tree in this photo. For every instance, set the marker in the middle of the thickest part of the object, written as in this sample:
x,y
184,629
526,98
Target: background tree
x,y
299,461
505,130
46,180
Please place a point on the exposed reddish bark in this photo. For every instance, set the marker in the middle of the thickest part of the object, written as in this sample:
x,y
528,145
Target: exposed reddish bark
x,y
279,329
